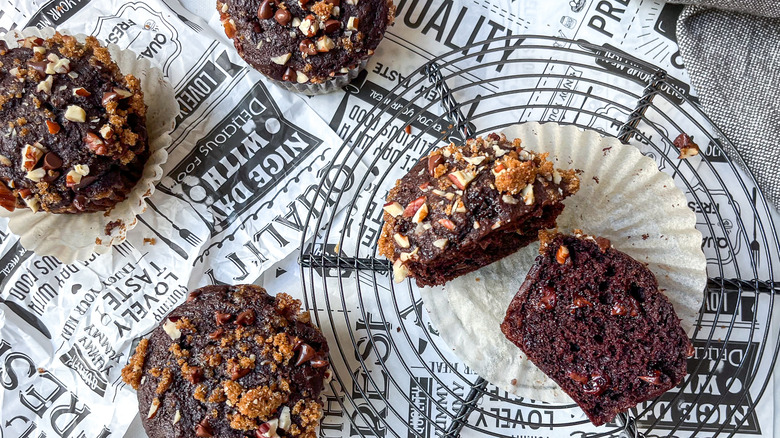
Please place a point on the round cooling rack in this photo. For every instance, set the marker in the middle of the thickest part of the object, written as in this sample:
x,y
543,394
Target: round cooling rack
x,y
394,376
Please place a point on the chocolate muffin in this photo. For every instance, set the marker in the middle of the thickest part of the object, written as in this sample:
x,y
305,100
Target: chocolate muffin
x,y
310,46
232,361
74,128
464,207
592,319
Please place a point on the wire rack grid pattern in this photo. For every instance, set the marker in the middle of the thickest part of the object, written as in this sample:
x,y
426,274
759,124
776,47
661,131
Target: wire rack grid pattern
x,y
359,289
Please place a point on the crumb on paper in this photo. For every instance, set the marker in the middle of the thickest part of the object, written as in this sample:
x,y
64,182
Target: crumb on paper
x,y
112,225
477,279
98,241
408,129
150,240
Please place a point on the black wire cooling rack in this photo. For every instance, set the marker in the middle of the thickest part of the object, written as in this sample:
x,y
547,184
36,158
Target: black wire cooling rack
x,y
394,378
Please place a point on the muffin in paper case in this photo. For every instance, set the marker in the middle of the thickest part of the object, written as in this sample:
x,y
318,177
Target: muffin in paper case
x,y
71,237
624,198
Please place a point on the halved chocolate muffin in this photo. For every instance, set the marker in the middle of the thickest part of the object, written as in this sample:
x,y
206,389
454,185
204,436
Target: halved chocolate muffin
x,y
464,207
231,362
592,319
73,127
306,44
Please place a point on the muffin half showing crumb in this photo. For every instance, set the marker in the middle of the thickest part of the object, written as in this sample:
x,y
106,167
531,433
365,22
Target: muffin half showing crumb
x,y
231,362
74,127
592,319
464,207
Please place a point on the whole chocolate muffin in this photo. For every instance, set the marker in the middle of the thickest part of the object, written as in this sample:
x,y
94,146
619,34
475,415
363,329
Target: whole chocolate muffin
x,y
302,43
592,319
232,361
74,128
464,207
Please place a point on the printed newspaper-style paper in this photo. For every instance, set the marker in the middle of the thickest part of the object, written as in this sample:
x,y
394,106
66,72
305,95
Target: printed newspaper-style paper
x,y
245,165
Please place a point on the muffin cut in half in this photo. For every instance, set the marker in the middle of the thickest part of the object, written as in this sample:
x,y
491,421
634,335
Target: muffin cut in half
x,y
464,207
592,319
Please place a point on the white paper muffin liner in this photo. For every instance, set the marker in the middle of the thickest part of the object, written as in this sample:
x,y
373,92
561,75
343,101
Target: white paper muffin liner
x,y
71,237
633,204
329,86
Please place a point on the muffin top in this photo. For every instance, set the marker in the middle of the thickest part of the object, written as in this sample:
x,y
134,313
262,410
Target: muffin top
x,y
305,41
230,362
458,196
72,127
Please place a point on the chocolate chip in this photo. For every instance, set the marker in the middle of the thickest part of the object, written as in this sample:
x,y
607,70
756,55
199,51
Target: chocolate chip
x,y
577,377
239,373
289,75
433,162
307,46
319,363
51,176
85,181
245,318
655,378
307,352
596,385
603,243
194,375
266,9
547,301
283,16
39,66
216,334
223,318
578,302
80,201
51,161
204,429
193,295
332,26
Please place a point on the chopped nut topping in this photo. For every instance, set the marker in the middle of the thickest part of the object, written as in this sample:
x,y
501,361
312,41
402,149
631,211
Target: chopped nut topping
x,y
687,147
281,59
393,209
528,194
446,223
169,326
36,175
31,154
309,26
45,85
301,78
73,178
562,254
325,44
508,199
440,243
153,408
461,178
75,113
401,240
421,214
352,23
400,271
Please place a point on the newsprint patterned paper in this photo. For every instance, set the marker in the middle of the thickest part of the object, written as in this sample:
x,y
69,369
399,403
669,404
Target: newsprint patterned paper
x,y
244,172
